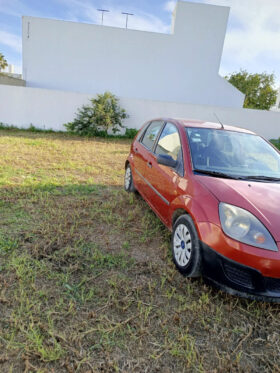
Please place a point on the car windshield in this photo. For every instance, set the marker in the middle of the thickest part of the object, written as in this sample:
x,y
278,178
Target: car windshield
x,y
224,153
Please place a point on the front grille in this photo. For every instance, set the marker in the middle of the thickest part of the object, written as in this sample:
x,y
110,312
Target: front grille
x,y
273,284
238,275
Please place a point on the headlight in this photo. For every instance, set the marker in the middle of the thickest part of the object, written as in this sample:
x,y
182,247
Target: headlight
x,y
243,226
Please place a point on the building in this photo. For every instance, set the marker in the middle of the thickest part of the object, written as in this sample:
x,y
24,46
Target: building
x,y
181,67
8,77
65,64
10,69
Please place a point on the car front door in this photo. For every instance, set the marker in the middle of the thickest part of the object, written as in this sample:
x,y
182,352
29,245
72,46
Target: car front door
x,y
163,180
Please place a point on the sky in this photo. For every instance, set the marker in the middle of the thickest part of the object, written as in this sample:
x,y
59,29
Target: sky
x,y
252,40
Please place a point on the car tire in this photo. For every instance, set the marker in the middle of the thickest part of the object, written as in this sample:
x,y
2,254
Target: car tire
x,y
128,180
186,247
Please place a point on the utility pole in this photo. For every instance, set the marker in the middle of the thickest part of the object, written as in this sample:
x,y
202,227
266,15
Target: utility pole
x,y
127,14
102,12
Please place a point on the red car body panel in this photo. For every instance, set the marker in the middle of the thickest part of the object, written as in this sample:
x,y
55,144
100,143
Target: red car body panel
x,y
199,196
265,261
258,198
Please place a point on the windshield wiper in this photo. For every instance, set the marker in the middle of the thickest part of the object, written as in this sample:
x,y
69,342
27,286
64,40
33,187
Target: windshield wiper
x,y
262,177
217,174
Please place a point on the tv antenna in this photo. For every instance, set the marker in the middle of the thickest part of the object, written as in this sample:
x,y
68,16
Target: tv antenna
x,y
127,14
102,12
219,121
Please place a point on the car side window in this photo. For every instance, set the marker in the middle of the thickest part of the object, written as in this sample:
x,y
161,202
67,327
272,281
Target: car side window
x,y
151,133
169,144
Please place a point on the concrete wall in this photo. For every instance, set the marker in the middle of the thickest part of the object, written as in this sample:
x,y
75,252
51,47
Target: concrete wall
x,y
10,80
180,67
49,109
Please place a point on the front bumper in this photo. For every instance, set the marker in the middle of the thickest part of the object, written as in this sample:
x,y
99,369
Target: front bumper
x,y
236,278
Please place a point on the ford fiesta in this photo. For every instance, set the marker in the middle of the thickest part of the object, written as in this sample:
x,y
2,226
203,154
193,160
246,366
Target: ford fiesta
x,y
217,188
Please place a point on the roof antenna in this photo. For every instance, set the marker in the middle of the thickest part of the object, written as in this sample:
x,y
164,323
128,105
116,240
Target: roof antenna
x,y
222,126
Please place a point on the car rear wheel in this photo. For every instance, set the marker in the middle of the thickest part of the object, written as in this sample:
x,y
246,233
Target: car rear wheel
x,y
128,180
186,247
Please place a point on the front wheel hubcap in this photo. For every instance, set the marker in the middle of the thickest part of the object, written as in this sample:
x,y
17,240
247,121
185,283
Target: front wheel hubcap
x,y
182,245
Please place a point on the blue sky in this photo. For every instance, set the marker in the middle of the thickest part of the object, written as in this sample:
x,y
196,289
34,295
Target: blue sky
x,y
252,40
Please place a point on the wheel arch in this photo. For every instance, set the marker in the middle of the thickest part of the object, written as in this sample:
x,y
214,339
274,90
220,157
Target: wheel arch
x,y
183,211
185,204
177,213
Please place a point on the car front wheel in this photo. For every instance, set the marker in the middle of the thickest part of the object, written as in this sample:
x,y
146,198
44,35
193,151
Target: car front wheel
x,y
186,247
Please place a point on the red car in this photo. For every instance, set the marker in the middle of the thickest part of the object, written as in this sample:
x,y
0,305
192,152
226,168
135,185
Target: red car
x,y
217,188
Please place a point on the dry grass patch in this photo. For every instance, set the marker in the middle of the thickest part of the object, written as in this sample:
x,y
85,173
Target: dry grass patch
x,y
86,279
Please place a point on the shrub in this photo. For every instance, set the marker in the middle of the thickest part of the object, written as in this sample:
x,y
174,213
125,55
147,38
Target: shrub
x,y
103,114
130,133
4,126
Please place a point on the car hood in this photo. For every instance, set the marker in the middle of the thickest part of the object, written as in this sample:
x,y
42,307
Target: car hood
x,y
260,198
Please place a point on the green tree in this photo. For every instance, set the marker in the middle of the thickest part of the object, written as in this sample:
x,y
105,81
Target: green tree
x,y
258,89
3,62
103,114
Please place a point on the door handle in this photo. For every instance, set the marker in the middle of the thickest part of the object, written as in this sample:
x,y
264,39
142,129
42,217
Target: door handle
x,y
149,164
136,150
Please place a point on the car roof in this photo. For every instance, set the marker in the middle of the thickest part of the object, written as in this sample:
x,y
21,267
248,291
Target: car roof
x,y
205,124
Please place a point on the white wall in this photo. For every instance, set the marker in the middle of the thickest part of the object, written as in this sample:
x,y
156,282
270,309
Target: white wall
x,y
182,66
49,109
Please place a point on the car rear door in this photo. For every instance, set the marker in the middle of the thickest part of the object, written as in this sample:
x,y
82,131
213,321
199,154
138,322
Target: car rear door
x,y
142,150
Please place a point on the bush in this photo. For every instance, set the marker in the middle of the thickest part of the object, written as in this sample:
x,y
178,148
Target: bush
x,y
96,119
31,128
130,133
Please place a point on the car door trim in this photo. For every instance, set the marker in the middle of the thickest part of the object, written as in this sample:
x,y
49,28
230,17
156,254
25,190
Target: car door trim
x,y
153,188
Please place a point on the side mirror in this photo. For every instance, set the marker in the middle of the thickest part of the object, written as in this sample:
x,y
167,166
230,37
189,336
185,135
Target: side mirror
x,y
166,160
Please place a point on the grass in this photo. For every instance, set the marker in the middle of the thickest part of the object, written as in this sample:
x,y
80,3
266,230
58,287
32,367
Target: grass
x,y
86,278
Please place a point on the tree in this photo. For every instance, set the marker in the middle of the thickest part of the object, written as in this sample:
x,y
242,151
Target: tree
x,y
258,89
3,62
103,114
